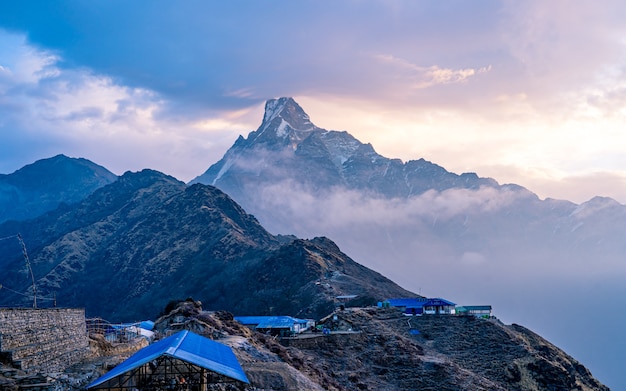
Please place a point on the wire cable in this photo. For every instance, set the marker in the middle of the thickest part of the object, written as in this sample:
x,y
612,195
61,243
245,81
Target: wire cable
x,y
30,296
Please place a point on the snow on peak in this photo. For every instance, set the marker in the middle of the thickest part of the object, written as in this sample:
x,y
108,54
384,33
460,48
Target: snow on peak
x,y
225,167
273,108
281,131
595,205
289,111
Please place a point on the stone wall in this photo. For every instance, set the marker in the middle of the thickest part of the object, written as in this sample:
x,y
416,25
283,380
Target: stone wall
x,y
42,340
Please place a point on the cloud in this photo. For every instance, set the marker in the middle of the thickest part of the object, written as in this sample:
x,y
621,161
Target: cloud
x,y
424,77
473,258
21,64
347,207
48,110
447,231
526,92
197,59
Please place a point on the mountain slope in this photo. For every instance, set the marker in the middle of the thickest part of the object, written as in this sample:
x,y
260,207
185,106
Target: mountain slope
x,y
378,349
146,239
42,186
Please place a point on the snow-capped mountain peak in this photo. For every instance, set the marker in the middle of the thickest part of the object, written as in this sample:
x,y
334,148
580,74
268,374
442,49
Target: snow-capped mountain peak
x,y
288,147
283,112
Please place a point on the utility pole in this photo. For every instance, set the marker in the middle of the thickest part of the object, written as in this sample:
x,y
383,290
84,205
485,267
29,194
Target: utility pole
x,y
30,269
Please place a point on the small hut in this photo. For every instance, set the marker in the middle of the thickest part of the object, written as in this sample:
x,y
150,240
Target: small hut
x,y
479,311
283,326
184,361
439,306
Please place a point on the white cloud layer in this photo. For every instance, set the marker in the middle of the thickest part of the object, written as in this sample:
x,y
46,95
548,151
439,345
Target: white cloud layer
x,y
79,113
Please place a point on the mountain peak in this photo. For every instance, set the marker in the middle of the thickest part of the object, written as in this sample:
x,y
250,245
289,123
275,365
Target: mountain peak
x,y
42,186
285,111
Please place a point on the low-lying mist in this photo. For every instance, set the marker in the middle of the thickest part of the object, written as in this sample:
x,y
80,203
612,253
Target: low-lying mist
x,y
552,266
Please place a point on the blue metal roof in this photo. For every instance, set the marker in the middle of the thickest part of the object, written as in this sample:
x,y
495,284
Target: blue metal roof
x,y
269,322
412,302
438,302
188,347
419,302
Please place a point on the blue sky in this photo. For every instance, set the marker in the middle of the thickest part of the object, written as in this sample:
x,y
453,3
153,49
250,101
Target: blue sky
x,y
526,92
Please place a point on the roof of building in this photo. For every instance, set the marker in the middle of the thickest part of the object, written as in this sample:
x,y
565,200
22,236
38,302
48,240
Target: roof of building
x,y
438,302
185,346
269,322
412,302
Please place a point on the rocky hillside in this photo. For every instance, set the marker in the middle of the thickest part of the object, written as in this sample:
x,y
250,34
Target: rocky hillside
x,y
44,185
134,245
383,351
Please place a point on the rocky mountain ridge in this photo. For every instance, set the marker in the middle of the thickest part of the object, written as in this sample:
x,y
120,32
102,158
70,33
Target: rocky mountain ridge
x,y
148,238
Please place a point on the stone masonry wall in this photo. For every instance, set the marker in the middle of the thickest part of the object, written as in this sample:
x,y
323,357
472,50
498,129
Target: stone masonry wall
x,y
42,340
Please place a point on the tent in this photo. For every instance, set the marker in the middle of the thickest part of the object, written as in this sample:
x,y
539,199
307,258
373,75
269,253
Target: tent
x,y
183,361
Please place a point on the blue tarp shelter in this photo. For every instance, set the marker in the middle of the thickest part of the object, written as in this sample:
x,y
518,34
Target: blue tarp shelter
x,y
184,357
275,324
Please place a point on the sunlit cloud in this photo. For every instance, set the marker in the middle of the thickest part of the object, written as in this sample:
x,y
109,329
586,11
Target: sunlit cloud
x,y
80,113
423,77
22,64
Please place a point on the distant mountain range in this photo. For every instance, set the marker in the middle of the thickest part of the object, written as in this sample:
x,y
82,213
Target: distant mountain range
x,y
288,147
